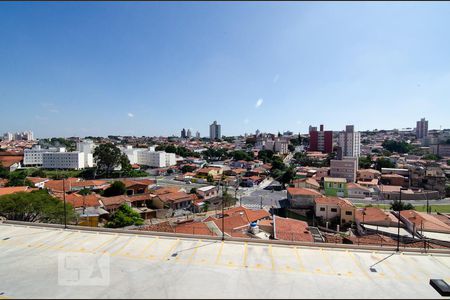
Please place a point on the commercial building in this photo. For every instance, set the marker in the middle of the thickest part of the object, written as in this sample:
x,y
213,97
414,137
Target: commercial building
x,y
421,128
345,168
320,140
63,160
215,131
349,141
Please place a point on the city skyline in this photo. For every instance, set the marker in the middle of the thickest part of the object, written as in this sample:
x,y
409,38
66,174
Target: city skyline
x,y
151,68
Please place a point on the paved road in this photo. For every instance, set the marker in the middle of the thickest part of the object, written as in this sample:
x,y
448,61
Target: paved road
x,y
268,198
413,202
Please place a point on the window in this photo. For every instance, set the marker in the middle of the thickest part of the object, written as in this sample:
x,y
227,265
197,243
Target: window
x,y
333,210
322,209
348,213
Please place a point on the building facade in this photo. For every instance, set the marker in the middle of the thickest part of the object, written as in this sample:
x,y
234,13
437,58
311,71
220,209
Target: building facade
x,y
350,141
320,140
215,131
421,128
345,168
63,160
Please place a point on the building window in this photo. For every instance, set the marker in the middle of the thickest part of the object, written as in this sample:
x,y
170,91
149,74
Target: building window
x,y
333,210
348,213
322,209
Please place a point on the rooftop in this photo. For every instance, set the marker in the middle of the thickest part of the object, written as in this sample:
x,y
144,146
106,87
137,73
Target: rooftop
x,y
201,267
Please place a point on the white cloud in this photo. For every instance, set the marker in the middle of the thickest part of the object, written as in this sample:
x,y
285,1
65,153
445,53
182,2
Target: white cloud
x,y
275,79
131,115
259,102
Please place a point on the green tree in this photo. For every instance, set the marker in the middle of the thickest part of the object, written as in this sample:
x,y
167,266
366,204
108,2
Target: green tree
x,y
242,155
209,178
124,216
287,176
431,157
38,173
35,206
125,164
396,146
365,162
88,173
107,156
187,168
117,188
4,172
84,191
291,148
205,206
383,162
397,205
19,178
193,191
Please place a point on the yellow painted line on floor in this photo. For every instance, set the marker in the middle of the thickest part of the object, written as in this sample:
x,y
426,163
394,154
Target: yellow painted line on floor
x,y
194,251
142,253
128,242
358,263
327,261
115,237
387,264
219,254
61,242
168,252
272,260
86,240
299,260
244,262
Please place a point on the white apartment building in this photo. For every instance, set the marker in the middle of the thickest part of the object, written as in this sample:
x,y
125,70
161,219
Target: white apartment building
x,y
63,160
215,131
19,136
281,146
34,156
87,147
149,157
350,142
8,137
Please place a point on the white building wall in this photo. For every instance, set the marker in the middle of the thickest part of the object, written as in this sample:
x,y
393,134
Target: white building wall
x,y
34,156
63,160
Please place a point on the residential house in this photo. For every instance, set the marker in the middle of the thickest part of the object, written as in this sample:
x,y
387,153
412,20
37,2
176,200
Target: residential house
x,y
302,197
15,189
287,229
335,186
356,190
368,174
329,208
375,216
309,183
207,192
174,200
38,181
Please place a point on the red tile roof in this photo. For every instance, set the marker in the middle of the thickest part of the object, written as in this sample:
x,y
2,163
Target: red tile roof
x,y
291,230
14,189
77,200
302,191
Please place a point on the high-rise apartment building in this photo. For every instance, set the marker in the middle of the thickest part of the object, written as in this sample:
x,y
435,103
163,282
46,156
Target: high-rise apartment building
x,y
215,131
320,140
421,128
188,134
197,135
350,141
183,133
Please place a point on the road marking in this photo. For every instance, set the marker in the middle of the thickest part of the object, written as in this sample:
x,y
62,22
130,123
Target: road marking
x,y
299,260
358,263
397,276
219,254
244,263
129,241
84,242
194,251
56,246
141,254
325,257
173,246
271,258
116,236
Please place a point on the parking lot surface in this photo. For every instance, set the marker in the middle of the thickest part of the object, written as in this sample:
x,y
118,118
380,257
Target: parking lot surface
x,y
33,264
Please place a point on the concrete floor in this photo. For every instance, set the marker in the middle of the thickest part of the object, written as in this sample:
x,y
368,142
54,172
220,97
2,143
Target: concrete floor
x,y
34,264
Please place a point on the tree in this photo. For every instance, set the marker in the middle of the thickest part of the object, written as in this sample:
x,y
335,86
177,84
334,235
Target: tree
x,y
209,178
431,157
19,178
291,148
84,191
397,205
383,162
287,176
365,162
187,168
242,155
124,216
125,164
35,206
107,156
396,146
4,172
88,173
117,188
38,173
193,191
205,206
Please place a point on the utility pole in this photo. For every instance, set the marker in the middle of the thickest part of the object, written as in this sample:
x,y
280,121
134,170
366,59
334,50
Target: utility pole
x,y
398,223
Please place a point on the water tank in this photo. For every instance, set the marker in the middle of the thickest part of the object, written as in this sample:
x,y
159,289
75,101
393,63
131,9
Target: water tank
x,y
255,229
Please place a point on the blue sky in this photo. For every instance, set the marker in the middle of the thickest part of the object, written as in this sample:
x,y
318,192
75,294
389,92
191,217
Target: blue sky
x,y
150,68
